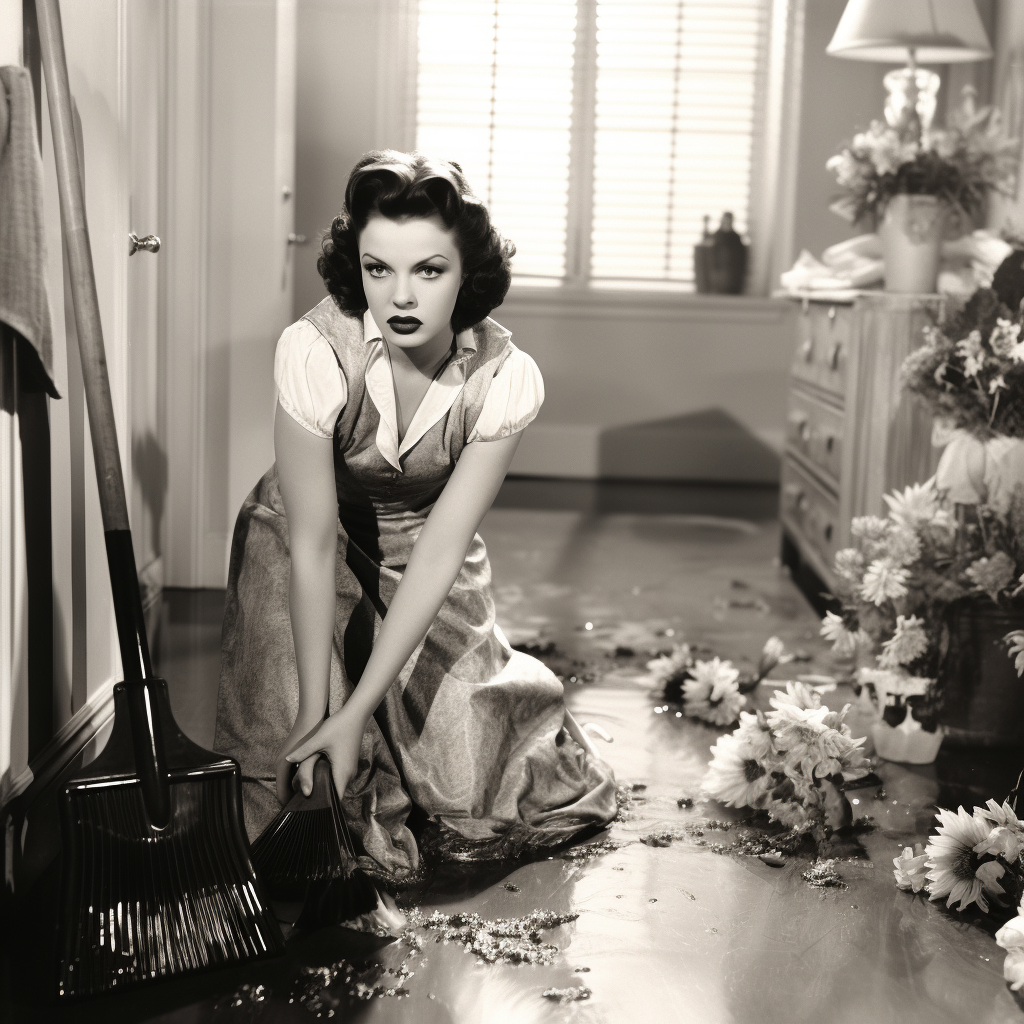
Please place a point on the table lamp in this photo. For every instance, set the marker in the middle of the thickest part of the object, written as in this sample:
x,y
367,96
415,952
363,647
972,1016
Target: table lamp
x,y
915,31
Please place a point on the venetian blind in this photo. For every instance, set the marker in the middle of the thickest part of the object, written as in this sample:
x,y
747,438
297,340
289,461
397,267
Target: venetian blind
x,y
675,126
494,93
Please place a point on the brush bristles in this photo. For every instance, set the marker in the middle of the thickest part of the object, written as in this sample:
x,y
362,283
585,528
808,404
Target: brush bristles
x,y
141,903
300,846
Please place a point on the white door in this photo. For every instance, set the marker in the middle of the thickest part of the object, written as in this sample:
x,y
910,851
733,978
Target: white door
x,y
146,106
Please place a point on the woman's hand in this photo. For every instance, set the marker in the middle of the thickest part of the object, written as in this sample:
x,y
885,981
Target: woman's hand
x,y
302,730
339,738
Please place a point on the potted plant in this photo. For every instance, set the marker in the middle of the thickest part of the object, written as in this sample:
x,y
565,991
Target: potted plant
x,y
916,187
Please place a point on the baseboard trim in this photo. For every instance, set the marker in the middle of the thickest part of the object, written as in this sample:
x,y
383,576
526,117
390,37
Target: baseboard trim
x,y
67,743
575,451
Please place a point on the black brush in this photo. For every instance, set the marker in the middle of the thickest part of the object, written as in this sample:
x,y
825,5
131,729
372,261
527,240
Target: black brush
x,y
306,853
156,879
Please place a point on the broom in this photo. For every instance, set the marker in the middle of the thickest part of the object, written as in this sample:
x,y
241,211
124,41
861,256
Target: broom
x,y
306,853
156,878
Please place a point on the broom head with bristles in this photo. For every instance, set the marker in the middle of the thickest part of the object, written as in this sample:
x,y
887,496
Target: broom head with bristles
x,y
143,901
306,853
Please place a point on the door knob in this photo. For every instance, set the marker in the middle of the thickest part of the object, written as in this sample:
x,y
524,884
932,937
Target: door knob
x,y
150,243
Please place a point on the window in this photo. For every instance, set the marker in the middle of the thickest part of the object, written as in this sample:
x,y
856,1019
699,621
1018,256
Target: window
x,y
599,132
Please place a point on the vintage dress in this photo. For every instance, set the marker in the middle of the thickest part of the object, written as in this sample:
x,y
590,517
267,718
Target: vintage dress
x,y
471,731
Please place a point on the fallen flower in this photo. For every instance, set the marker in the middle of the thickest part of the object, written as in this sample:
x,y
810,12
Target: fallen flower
x,y
911,870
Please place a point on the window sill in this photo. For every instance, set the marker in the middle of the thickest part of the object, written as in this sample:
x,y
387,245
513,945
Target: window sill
x,y
637,302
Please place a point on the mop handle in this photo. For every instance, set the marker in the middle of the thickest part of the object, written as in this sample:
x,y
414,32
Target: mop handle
x,y
124,580
113,505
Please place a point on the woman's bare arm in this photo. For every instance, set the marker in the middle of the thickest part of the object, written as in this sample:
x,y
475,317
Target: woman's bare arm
x,y
305,469
437,558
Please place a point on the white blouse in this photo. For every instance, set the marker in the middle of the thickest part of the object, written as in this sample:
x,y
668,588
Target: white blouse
x,y
312,389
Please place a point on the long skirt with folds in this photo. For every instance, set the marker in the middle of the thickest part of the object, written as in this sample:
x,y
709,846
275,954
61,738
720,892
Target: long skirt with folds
x,y
471,731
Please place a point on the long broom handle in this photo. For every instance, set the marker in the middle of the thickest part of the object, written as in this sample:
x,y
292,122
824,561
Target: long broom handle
x,y
124,580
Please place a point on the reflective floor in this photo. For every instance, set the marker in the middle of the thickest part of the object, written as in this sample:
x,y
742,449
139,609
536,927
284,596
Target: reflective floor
x,y
663,927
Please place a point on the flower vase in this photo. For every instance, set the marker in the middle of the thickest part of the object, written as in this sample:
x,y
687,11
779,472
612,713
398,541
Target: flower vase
x,y
911,232
982,697
908,742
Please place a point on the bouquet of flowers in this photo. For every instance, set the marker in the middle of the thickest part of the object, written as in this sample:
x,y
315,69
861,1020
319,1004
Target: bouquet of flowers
x,y
712,690
957,164
974,858
792,762
897,582
970,370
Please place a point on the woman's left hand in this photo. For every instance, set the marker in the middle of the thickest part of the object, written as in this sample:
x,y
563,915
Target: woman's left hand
x,y
339,739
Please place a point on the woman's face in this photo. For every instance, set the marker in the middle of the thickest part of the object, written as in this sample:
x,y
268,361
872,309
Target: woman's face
x,y
412,271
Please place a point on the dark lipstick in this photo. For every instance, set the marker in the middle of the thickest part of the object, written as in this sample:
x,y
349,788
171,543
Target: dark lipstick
x,y
404,324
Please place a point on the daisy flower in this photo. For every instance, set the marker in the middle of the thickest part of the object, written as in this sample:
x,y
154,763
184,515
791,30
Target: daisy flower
x,y
904,546
1003,338
884,581
953,869
843,640
849,564
1015,643
1001,842
713,694
735,776
992,574
756,733
915,504
773,653
664,667
908,643
1011,938
910,870
872,532
798,694
1000,814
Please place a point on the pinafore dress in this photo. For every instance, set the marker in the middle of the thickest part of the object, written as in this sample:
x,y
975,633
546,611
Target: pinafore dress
x,y
471,731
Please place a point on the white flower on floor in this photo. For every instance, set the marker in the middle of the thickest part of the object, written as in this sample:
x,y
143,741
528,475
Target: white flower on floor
x,y
816,742
1015,642
735,776
1001,842
908,642
953,870
1000,814
1011,938
894,682
772,654
756,733
884,581
713,694
910,869
844,640
666,666
798,694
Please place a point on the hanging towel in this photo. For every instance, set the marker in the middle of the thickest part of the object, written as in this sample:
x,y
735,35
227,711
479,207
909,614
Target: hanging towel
x,y
23,303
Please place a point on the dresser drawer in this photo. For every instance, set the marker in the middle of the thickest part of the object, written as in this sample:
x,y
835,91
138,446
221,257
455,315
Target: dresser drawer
x,y
824,334
815,430
810,511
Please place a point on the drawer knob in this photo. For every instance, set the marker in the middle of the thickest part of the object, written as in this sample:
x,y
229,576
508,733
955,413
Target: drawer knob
x,y
807,350
831,312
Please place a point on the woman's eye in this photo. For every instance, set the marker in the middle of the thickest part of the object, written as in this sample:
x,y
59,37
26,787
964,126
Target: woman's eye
x,y
429,272
375,269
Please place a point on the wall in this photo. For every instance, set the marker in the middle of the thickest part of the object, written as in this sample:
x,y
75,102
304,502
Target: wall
x,y
1008,93
684,388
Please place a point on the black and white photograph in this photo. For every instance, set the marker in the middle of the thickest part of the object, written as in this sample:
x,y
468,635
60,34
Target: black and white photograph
x,y
512,511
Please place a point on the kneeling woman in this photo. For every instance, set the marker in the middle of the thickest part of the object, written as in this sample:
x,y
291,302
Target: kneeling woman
x,y
355,560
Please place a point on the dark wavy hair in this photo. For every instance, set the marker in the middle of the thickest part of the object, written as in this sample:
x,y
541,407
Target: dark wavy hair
x,y
411,185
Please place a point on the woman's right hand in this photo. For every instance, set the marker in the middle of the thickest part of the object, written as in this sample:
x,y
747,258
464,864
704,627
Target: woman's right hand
x,y
304,727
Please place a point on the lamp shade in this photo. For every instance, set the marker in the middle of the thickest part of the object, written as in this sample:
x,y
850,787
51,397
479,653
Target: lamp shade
x,y
938,31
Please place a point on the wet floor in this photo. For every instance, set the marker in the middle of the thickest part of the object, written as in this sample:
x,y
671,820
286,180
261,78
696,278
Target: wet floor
x,y
649,920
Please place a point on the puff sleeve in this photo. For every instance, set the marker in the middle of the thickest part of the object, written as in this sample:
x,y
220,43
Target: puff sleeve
x,y
513,399
310,384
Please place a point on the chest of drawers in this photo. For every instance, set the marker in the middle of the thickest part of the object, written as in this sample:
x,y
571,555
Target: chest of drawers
x,y
851,434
